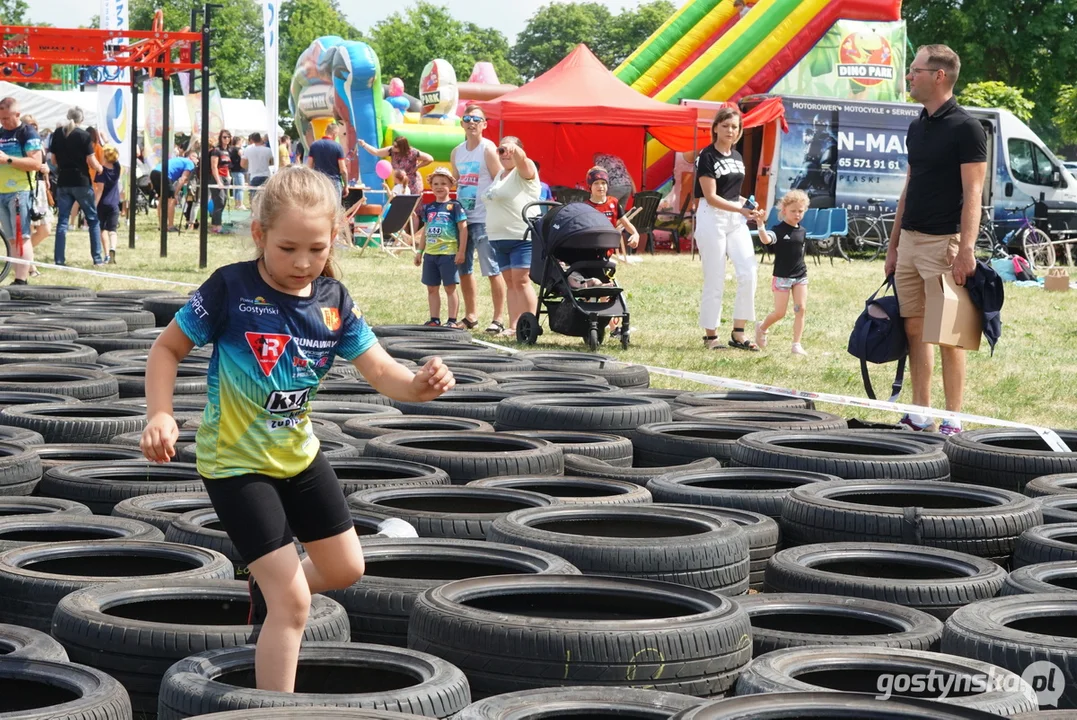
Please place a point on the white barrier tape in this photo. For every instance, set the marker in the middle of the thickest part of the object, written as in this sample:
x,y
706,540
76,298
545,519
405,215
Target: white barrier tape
x,y
1049,436
98,273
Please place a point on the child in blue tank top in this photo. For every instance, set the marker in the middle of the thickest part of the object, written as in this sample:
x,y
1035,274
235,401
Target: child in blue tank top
x,y
276,324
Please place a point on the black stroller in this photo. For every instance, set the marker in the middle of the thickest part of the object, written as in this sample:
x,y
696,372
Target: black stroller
x,y
580,237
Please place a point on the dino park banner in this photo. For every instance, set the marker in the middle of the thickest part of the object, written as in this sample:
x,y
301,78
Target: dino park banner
x,y
854,61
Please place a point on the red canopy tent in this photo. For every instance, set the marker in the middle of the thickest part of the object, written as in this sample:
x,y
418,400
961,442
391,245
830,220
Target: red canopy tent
x,y
578,108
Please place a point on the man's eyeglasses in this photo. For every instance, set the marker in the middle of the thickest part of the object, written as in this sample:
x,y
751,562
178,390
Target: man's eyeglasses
x,y
473,118
915,70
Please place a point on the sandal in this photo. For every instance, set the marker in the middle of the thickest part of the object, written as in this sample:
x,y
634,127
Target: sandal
x,y
496,327
432,323
712,343
455,325
743,344
469,323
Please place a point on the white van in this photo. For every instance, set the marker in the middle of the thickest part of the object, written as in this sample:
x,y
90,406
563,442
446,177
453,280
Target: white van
x,y
847,153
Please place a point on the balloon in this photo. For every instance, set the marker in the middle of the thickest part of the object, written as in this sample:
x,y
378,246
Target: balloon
x,y
396,87
384,169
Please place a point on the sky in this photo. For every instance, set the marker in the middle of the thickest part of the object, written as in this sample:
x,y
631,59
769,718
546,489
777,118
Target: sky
x,y
508,16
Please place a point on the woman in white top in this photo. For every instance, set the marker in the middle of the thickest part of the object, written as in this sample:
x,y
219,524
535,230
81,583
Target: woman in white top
x,y
514,187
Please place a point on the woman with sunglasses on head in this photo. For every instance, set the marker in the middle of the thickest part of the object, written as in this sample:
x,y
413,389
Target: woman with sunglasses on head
x,y
220,174
512,189
722,230
403,157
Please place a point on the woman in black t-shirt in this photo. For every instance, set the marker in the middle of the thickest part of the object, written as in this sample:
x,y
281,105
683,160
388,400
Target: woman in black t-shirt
x,y
722,230
220,166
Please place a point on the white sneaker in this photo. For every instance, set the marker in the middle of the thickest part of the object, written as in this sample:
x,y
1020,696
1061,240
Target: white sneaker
x,y
396,528
798,349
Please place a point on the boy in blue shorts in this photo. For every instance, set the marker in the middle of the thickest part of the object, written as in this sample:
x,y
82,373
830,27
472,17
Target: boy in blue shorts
x,y
442,247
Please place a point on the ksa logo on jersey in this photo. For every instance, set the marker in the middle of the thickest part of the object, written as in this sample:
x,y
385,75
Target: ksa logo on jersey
x,y
331,316
267,349
286,401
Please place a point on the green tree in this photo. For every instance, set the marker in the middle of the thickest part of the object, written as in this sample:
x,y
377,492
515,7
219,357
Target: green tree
x,y
996,94
301,23
1066,114
236,45
406,42
555,29
14,12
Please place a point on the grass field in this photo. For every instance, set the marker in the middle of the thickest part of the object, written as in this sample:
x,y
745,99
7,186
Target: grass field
x,y
1031,377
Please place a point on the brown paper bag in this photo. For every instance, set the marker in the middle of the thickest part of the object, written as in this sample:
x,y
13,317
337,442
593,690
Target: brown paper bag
x,y
950,317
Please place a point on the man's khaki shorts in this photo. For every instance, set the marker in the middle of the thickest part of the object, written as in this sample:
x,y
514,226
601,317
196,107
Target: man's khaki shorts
x,y
921,257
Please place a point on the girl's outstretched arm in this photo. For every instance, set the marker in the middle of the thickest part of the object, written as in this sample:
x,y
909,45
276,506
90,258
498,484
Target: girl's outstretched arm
x,y
392,379
159,438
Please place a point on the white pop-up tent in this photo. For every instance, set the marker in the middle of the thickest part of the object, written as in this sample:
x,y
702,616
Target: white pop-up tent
x,y
49,108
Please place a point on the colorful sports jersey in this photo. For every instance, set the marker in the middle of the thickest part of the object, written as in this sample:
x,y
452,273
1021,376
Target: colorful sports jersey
x,y
442,232
270,352
17,143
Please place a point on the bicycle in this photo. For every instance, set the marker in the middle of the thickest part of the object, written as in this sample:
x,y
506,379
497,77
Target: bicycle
x,y
1034,244
869,235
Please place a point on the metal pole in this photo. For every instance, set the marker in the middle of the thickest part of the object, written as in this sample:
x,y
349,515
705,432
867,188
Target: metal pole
x,y
133,189
203,224
166,106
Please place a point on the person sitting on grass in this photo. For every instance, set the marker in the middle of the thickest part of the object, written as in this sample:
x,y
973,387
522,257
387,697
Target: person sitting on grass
x,y
790,272
442,247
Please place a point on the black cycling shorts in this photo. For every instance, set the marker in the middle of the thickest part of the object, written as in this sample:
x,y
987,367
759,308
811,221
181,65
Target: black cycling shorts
x,y
262,514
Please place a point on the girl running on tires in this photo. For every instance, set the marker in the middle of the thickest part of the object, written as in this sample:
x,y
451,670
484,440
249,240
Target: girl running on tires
x,y
276,323
790,272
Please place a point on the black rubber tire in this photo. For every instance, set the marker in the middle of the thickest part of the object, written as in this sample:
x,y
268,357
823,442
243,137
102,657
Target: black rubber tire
x,y
31,332
413,349
526,631
1016,631
100,486
1058,508
324,713
579,701
468,456
650,542
465,513
785,620
618,414
57,353
164,307
930,579
11,506
85,323
758,490
474,404
49,293
745,399
79,383
201,528
771,418
190,687
104,344
365,473
134,358
34,578
12,397
128,295
1046,543
621,374
20,470
366,427
672,443
186,437
427,332
48,690
1007,457
160,509
135,631
802,705
399,570
972,519
666,395
552,388
541,376
848,455
20,437
56,454
1048,577
131,380
574,490
132,316
613,449
81,423
486,362
340,413
17,642
764,537
862,669
23,530
595,467
1057,484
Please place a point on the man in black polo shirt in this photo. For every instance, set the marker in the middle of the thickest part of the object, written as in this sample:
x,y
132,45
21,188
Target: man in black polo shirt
x,y
938,218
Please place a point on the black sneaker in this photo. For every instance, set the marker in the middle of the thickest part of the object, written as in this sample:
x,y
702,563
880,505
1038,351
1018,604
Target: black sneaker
x,y
258,611
20,282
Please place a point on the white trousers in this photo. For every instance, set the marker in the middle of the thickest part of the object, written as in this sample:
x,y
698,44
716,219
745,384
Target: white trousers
x,y
720,234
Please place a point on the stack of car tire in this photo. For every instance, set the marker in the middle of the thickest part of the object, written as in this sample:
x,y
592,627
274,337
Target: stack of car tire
x,y
582,544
